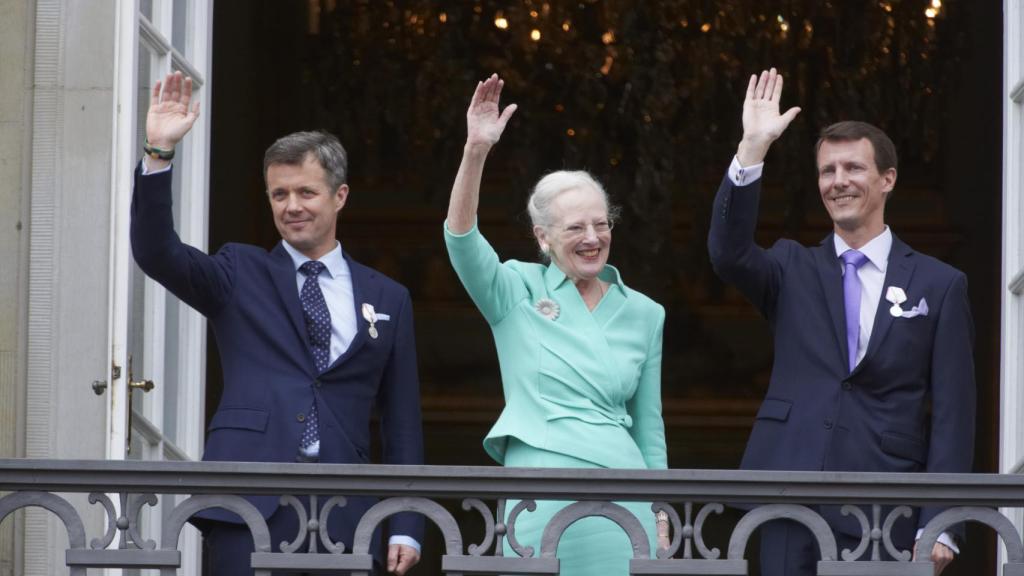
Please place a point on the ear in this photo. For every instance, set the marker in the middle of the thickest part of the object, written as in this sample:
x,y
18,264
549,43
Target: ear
x,y
542,238
888,180
340,196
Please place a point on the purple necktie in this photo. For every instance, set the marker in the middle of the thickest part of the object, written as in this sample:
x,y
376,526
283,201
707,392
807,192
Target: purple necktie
x,y
852,260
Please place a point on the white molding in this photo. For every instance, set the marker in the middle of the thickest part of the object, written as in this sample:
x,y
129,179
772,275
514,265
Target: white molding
x,y
124,157
47,122
149,34
1011,368
161,46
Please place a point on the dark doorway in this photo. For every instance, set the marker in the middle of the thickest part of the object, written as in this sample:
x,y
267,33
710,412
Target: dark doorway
x,y
646,96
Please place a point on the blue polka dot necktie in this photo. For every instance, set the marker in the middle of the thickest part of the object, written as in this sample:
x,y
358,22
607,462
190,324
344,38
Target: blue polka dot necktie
x,y
318,325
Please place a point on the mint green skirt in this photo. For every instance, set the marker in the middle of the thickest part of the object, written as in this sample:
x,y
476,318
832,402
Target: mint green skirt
x,y
589,546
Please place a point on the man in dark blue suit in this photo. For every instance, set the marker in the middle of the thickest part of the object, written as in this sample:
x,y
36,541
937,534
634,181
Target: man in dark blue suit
x,y
873,367
310,340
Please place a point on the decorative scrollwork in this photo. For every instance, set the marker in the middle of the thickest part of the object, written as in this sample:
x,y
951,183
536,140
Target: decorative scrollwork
x,y
485,512
331,504
300,511
894,515
865,532
135,504
698,530
108,506
510,528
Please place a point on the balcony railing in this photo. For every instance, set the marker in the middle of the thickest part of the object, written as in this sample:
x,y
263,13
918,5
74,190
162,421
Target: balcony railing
x,y
878,501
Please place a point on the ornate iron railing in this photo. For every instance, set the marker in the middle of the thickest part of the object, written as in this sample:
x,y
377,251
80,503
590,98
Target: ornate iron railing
x,y
789,495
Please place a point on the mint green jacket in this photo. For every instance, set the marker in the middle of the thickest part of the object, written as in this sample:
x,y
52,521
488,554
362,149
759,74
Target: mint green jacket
x,y
579,382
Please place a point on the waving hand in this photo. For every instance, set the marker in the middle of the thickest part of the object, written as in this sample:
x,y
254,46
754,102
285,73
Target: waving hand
x,y
170,116
484,123
762,122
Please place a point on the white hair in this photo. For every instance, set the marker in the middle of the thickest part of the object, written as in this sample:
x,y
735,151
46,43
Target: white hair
x,y
557,183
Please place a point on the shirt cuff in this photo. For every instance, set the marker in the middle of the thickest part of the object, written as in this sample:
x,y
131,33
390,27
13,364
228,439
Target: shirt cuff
x,y
147,172
944,538
743,175
408,541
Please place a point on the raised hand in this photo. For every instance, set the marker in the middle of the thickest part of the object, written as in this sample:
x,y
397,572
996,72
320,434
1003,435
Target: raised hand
x,y
169,117
762,122
484,123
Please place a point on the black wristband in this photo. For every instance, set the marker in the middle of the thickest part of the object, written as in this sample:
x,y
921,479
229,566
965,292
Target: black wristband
x,y
157,153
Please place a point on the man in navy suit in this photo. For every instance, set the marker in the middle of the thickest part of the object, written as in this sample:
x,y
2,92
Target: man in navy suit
x,y
873,367
310,340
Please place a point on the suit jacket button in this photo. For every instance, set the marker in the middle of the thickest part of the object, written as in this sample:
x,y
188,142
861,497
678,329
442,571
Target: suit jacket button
x,y
317,383
828,423
301,417
847,386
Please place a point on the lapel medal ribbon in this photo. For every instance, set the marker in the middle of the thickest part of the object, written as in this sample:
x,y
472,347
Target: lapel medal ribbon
x,y
897,296
371,316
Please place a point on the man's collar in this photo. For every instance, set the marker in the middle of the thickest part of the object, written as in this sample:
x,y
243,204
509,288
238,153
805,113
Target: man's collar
x,y
333,260
877,249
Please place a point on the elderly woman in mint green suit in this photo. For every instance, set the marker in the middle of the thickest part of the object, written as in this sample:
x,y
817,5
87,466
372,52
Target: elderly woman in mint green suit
x,y
580,352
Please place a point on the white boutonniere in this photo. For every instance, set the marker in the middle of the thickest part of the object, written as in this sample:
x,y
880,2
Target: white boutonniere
x,y
897,296
547,308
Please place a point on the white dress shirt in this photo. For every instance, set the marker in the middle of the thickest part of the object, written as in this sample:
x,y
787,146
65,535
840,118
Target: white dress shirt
x,y
871,274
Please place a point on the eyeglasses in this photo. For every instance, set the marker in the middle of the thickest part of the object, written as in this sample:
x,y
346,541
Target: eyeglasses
x,y
577,230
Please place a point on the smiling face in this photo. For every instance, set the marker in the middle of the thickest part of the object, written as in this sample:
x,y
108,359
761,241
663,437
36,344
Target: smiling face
x,y
852,189
579,237
305,209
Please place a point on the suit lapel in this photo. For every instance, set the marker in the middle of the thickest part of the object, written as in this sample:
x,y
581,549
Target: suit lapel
x,y
282,271
365,289
897,273
831,278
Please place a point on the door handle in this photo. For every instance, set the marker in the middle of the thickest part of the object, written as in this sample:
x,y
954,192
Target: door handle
x,y
133,385
144,385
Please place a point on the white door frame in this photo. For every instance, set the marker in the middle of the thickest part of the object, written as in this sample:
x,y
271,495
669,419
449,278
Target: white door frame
x,y
185,349
1011,457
